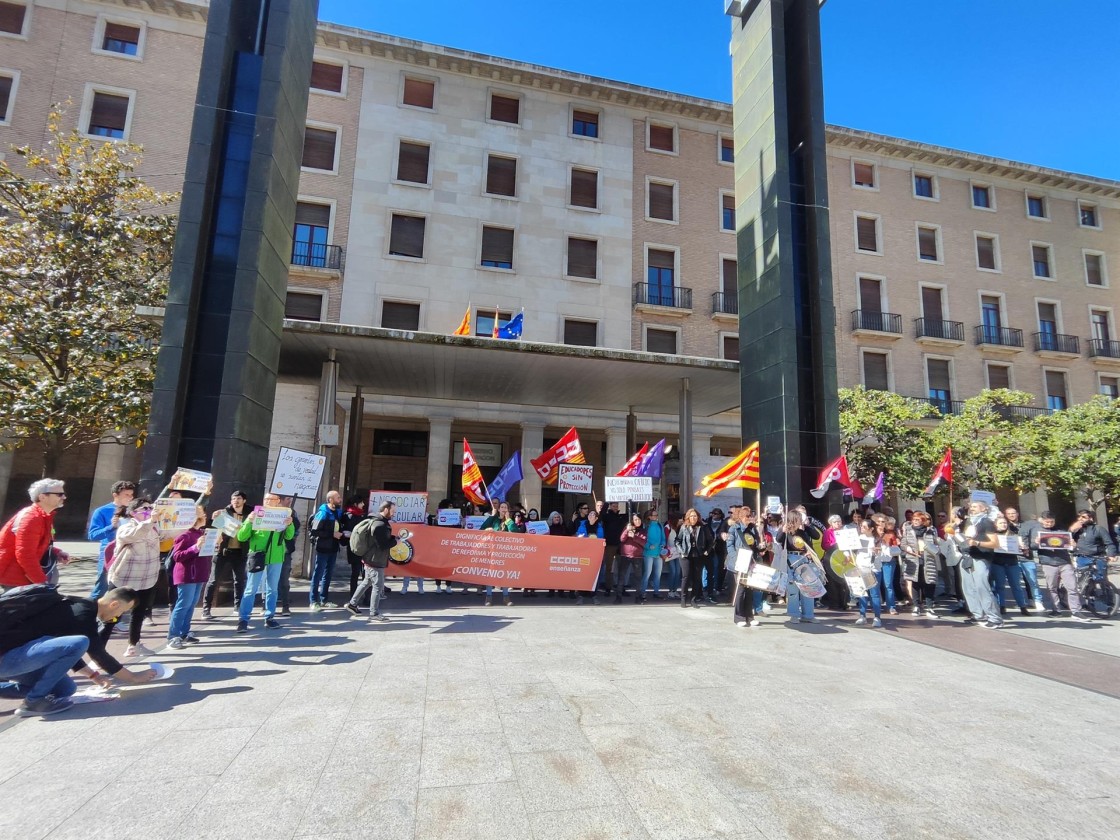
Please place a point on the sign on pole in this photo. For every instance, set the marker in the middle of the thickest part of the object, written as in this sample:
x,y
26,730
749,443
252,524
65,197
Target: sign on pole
x,y
297,473
575,478
628,489
411,507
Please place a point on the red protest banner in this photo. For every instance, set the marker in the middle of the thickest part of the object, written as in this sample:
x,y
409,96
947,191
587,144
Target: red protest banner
x,y
497,558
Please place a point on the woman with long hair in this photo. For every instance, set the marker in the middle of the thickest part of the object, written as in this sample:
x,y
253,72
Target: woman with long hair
x,y
696,544
631,548
136,565
919,545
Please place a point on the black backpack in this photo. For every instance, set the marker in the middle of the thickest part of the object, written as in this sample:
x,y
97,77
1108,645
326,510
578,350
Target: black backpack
x,y
23,603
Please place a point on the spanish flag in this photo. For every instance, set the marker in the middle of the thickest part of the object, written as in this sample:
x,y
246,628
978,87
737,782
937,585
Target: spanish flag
x,y
465,324
741,471
474,488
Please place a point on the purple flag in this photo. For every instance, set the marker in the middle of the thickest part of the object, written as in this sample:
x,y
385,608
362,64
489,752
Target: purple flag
x,y
876,493
652,461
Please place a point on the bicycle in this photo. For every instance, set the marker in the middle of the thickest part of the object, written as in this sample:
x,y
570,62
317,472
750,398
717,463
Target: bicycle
x,y
1098,594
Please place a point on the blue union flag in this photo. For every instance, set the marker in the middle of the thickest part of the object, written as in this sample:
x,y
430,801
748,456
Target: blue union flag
x,y
508,476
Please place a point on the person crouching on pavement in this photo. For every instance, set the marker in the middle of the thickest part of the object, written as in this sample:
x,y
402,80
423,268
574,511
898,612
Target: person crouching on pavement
x,y
265,560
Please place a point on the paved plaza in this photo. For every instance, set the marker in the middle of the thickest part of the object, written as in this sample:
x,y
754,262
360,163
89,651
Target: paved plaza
x,y
547,721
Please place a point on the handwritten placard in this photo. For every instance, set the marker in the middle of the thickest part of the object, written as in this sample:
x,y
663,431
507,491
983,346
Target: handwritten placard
x,y
411,507
174,514
847,539
449,517
297,474
209,545
575,478
190,481
271,518
628,489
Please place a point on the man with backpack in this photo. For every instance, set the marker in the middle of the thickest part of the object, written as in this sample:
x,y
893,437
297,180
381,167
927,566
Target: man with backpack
x,y
43,635
371,539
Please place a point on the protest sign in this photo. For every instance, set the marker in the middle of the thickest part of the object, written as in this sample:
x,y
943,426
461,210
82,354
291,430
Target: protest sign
x,y
449,517
985,496
628,489
473,523
539,528
773,504
575,478
1009,544
847,539
411,507
209,545
271,518
498,558
297,474
190,481
227,524
1055,539
174,514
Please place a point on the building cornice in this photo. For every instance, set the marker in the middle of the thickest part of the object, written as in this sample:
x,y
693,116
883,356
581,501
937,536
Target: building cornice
x,y
193,10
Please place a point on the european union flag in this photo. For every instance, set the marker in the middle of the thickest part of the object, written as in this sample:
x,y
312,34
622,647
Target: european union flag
x,y
513,329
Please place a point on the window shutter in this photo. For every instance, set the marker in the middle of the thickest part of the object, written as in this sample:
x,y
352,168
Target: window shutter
x,y
1093,274
303,306
326,76
497,245
581,333
661,341
661,201
501,175
931,304
400,316
122,32
986,252
406,238
108,111
419,93
927,243
661,259
412,162
864,174
866,234
318,148
1055,384
505,109
726,150
731,348
999,376
938,372
317,215
5,95
731,278
875,371
661,137
583,257
870,295
585,188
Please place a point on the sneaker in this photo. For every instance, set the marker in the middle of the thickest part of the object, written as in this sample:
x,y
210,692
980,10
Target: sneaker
x,y
1053,613
992,625
48,705
877,623
206,614
316,607
684,604
378,617
930,613
894,611
971,620
271,623
488,603
243,627
137,652
754,622
175,644
618,599
765,607
740,624
350,608
190,640
639,600
1084,619
1024,611
286,612
810,620
509,602
861,620
916,611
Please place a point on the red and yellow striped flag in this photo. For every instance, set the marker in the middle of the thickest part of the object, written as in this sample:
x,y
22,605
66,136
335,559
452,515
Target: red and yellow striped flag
x,y
465,324
474,488
741,471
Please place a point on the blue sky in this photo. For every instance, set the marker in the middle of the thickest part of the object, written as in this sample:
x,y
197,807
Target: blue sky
x,y
1030,80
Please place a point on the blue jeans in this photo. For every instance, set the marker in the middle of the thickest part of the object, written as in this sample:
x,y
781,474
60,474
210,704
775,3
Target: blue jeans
x,y
271,577
185,600
798,605
101,585
321,577
40,666
505,592
890,567
1100,564
1008,576
874,597
1029,568
651,573
674,574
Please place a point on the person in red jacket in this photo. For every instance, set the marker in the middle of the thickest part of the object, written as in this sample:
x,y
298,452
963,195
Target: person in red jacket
x,y
26,538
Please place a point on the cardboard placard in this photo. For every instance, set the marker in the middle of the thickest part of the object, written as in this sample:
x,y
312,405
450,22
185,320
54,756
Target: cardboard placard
x,y
473,523
575,478
452,517
411,507
227,524
1055,540
297,474
628,489
174,514
847,539
1009,544
537,527
271,518
773,504
985,496
190,481
209,545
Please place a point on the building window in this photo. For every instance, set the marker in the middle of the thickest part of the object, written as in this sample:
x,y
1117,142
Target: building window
x,y
729,345
406,236
400,443
924,186
585,123
1056,395
304,306
108,115
327,77
662,138
927,244
501,176
1047,324
497,247
661,201
933,309
867,234
581,333
1087,215
1110,386
939,377
863,175
1100,323
413,160
583,258
400,316
7,87
120,38
661,276
987,254
584,191
1094,270
729,276
319,148
1036,206
1040,259
999,377
661,341
484,322
871,296
981,197
311,234
13,17
875,371
419,93
726,150
506,109
727,217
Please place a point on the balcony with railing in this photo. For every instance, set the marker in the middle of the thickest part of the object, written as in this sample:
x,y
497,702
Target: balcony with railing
x,y
934,331
1104,350
317,255
725,305
663,297
867,322
1006,339
1056,345
949,407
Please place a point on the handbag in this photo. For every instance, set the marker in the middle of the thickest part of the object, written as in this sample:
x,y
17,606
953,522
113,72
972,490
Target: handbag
x,y
255,561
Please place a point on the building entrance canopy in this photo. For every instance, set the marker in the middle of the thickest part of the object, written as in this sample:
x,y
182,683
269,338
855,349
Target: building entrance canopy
x,y
451,367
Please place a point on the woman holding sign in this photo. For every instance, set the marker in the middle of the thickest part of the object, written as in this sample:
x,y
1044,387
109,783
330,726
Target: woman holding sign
x,y
266,531
190,569
135,565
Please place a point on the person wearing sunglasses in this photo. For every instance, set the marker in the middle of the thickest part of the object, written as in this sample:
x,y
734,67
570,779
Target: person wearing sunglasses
x,y
27,554
135,566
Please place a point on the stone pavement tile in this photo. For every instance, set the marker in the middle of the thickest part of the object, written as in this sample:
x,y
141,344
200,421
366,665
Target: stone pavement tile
x,y
234,710
445,686
680,804
465,759
40,798
268,813
533,732
185,752
564,779
582,680
618,823
450,717
472,812
377,739
603,709
378,800
316,719
638,747
541,697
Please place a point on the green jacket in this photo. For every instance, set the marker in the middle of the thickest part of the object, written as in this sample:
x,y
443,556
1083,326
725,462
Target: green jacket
x,y
272,543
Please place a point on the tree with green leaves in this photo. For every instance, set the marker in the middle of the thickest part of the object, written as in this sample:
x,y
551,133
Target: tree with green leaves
x,y
1079,451
881,431
84,245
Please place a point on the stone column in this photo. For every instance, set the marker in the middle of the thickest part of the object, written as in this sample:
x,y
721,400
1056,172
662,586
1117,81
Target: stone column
x,y
113,464
439,457
701,450
616,450
1033,503
532,445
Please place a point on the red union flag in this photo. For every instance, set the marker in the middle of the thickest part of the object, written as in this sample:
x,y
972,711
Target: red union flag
x,y
942,475
567,450
474,488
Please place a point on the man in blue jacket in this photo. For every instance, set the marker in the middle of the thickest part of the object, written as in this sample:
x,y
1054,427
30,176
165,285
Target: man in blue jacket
x,y
326,532
103,528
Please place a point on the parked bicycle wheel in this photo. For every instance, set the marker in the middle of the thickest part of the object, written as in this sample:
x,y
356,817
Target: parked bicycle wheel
x,y
1101,598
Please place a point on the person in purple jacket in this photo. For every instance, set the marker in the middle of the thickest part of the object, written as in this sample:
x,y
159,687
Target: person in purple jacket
x,y
189,572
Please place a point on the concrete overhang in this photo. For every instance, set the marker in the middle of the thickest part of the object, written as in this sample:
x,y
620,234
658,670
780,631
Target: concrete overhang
x,y
451,367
